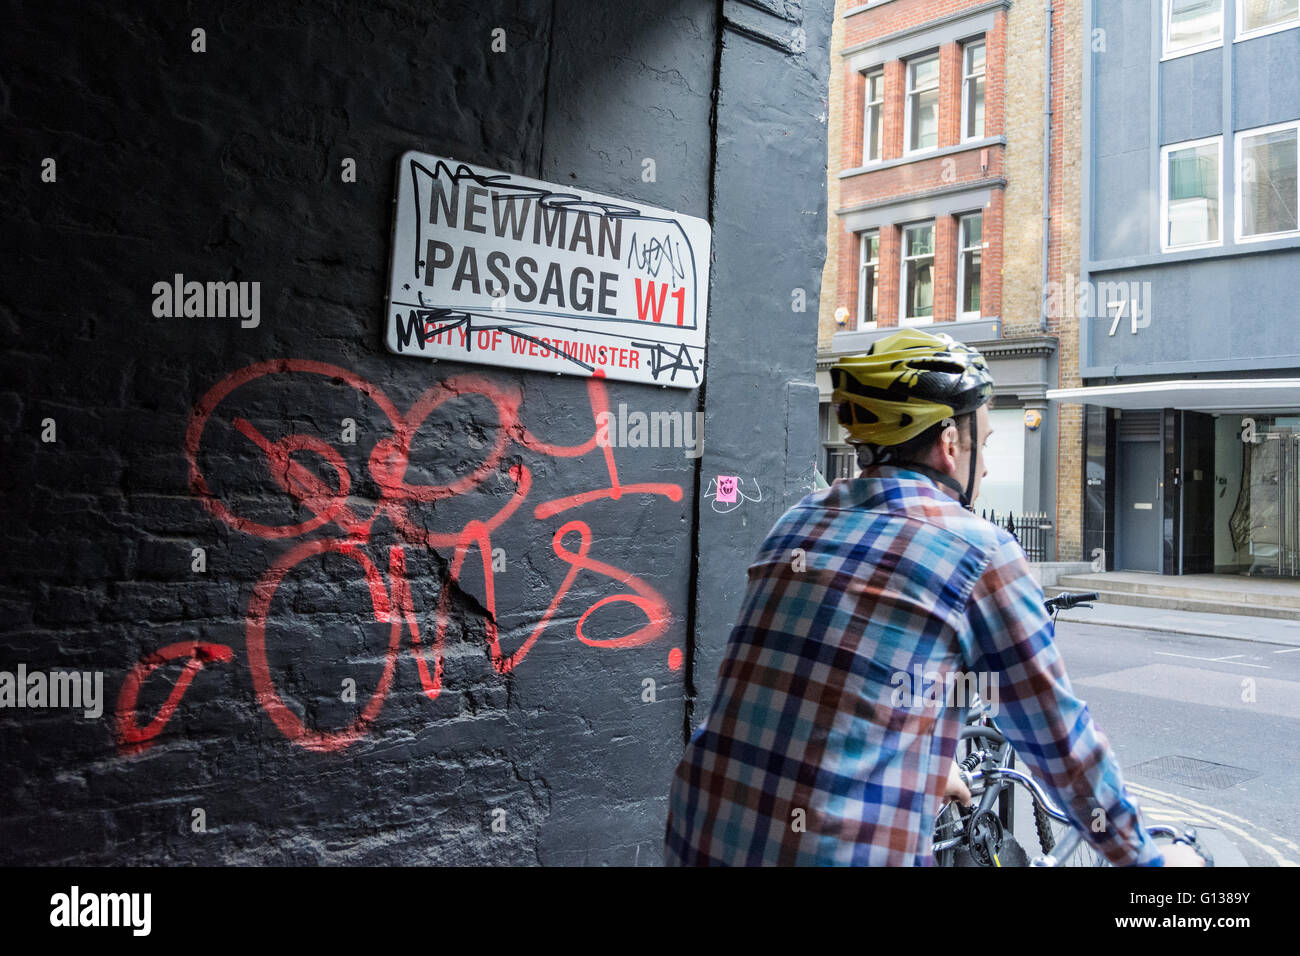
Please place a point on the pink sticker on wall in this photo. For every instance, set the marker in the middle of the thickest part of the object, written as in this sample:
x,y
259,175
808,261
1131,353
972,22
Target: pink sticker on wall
x,y
727,488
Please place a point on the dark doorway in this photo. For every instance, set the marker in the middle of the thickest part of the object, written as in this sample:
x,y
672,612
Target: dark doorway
x,y
1197,480
1139,499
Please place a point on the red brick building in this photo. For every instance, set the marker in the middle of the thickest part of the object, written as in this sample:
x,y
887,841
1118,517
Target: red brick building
x,y
946,171
932,123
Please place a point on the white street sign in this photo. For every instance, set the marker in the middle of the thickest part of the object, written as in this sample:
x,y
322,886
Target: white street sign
x,y
504,270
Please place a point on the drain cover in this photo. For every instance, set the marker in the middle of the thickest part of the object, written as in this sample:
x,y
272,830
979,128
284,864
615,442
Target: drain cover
x,y
1190,772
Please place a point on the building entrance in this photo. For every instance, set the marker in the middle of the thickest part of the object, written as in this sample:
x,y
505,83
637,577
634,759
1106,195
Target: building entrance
x,y
1257,510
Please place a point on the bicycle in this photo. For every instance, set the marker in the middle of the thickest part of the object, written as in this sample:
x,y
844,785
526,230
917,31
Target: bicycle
x,y
977,836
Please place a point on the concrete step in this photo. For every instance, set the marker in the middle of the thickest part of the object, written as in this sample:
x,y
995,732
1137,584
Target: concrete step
x,y
1172,602
1171,586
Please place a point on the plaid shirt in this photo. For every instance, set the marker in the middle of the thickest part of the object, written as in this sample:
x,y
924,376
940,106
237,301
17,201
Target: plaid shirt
x,y
832,728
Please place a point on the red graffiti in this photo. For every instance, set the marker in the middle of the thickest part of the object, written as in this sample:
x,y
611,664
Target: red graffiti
x,y
390,595
133,738
260,606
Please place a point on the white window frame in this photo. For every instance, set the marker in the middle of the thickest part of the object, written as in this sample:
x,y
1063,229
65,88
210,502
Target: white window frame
x,y
966,78
862,267
903,319
1167,54
1239,181
908,91
1164,194
961,264
868,107
1242,34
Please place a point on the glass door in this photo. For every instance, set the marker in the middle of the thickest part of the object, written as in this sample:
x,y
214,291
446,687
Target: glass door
x,y
1268,513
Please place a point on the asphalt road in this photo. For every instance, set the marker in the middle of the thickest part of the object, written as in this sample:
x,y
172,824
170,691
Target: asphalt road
x,y
1207,732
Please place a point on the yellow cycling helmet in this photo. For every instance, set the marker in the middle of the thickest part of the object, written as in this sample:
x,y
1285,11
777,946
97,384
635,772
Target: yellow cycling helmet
x,y
907,382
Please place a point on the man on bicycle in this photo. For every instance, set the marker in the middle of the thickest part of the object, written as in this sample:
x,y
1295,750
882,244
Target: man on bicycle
x,y
810,755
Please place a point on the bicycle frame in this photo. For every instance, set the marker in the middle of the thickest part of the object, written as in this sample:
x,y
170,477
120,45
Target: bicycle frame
x,y
976,830
999,777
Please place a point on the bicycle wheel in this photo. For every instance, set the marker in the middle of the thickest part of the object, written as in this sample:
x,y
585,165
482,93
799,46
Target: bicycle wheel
x,y
1043,823
1081,854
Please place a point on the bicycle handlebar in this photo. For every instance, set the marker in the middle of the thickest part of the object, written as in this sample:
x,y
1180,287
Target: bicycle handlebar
x,y
1063,602
1070,841
1029,783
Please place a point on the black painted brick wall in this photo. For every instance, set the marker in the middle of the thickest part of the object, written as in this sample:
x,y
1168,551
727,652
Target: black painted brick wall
x,y
225,165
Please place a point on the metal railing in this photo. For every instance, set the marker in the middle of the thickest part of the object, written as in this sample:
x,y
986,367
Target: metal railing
x,y
1033,529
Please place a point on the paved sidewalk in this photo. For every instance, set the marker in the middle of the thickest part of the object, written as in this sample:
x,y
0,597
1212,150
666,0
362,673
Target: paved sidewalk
x,y
1236,627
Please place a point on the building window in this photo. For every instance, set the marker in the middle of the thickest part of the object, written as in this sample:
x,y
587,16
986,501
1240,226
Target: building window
x,y
918,275
1189,187
868,265
1258,17
971,237
972,91
874,117
1192,25
1268,195
922,120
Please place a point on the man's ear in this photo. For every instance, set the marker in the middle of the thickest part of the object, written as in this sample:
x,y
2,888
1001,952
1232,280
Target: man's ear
x,y
949,436
949,444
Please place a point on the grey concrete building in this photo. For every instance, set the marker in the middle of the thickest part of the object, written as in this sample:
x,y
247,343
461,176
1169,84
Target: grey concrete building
x,y
1186,297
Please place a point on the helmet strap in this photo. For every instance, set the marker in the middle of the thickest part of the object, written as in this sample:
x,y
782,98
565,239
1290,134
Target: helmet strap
x,y
970,475
963,493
